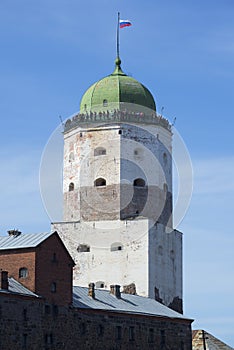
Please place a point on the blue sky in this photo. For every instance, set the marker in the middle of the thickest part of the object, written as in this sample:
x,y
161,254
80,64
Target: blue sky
x,y
183,51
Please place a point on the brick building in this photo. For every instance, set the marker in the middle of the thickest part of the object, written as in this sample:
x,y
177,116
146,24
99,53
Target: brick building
x,y
39,262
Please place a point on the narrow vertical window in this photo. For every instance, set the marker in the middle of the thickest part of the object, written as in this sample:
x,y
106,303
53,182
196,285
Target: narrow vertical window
x,y
83,328
118,332
163,338
71,187
151,335
25,314
100,330
105,103
25,341
131,334
53,287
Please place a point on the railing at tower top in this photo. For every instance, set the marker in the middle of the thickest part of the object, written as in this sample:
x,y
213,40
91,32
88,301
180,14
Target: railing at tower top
x,y
116,116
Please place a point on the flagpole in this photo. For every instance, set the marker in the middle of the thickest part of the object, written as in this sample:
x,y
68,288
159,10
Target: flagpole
x,y
118,35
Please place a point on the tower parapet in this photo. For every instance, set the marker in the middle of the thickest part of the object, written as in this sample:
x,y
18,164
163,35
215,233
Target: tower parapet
x,y
117,116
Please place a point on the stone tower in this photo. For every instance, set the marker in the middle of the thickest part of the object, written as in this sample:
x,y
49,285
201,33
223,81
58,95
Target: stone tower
x,y
117,185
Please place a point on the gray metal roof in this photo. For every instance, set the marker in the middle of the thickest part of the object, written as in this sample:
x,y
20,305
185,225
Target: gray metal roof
x,y
17,288
23,240
128,303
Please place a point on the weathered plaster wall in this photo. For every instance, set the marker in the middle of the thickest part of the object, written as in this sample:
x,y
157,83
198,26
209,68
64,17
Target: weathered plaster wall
x,y
165,266
129,265
150,256
82,167
130,152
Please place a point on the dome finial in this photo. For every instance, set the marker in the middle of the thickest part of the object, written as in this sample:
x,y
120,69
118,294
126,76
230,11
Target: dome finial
x,y
118,70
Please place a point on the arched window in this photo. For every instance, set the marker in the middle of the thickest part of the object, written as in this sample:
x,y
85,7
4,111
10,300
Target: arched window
x,y
99,151
139,182
83,248
23,272
71,187
100,284
116,246
105,103
100,182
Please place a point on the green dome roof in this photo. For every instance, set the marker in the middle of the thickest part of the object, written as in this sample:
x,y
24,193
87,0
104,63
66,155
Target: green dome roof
x,y
116,91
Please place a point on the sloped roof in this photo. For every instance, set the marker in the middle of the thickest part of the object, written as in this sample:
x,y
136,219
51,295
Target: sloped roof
x,y
17,288
128,303
23,240
211,342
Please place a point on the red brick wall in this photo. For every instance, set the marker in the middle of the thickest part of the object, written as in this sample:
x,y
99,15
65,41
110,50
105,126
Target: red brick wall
x,y
14,259
52,268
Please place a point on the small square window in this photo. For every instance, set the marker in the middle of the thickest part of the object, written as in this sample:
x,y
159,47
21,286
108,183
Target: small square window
x,y
23,272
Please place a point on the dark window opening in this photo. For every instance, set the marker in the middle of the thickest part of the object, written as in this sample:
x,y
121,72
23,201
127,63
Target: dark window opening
x,y
116,246
139,182
55,310
83,248
105,103
99,151
54,258
163,338
131,334
25,314
151,335
100,182
23,272
100,330
83,328
100,284
25,341
81,134
120,132
118,332
53,287
71,187
165,158
48,339
47,309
